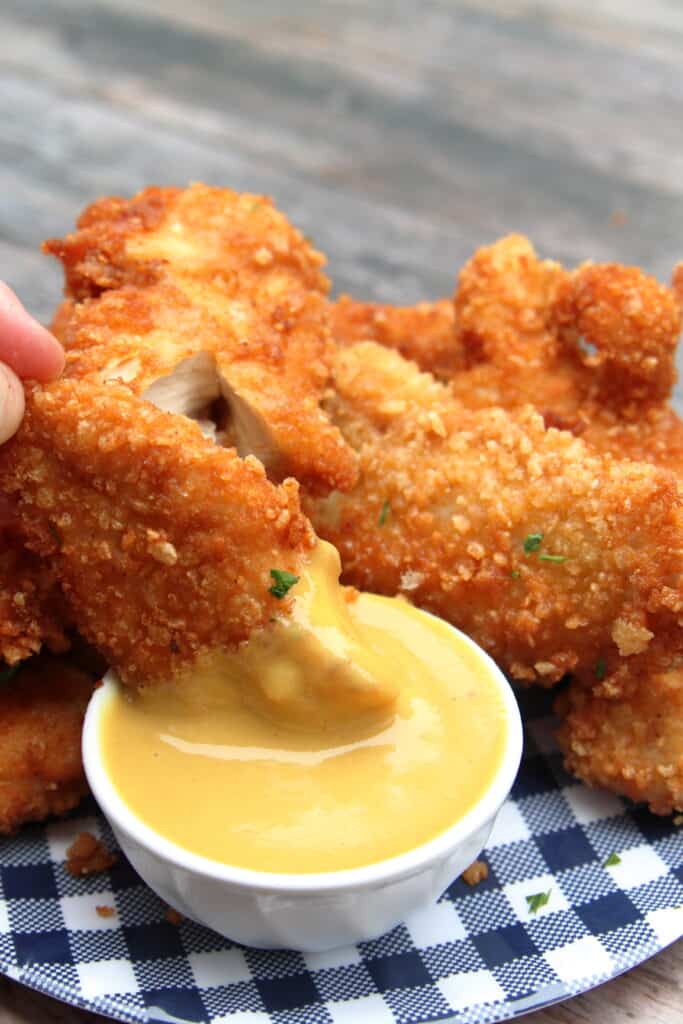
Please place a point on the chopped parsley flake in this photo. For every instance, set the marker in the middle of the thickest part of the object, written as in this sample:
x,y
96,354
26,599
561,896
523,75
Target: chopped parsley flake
x,y
538,900
600,669
612,860
384,514
533,541
7,673
515,574
284,581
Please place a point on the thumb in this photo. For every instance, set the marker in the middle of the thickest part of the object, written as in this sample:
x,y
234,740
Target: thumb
x,y
27,347
11,402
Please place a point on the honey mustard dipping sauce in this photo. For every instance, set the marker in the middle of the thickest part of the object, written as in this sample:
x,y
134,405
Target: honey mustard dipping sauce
x,y
351,732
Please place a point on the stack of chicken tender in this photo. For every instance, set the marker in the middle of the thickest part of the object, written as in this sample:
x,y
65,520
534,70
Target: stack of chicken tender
x,y
507,460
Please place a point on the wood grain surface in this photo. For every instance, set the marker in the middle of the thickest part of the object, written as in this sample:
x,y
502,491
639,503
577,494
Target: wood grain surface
x,y
398,135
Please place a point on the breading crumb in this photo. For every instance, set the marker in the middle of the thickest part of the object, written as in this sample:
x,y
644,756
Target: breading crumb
x,y
630,637
104,911
476,872
173,916
87,855
163,551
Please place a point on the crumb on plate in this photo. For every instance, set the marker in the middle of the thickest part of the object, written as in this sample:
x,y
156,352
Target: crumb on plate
x,y
476,872
87,855
105,911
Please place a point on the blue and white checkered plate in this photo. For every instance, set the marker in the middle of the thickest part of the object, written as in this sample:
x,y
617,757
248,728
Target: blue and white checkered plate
x,y
480,954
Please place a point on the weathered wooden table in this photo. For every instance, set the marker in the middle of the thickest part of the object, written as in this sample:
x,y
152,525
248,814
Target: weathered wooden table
x,y
399,136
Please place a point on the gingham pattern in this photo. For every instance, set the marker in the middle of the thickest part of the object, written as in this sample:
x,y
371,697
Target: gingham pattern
x,y
478,955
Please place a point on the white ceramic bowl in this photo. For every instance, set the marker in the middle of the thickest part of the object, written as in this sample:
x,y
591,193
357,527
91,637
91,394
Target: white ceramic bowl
x,y
309,912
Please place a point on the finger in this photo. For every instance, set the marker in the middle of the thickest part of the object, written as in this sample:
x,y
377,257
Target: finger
x,y
11,402
25,345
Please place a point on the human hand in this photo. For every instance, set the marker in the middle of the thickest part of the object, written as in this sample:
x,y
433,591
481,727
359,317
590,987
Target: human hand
x,y
27,352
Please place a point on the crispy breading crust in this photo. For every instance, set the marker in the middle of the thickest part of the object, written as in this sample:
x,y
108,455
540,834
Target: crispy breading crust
x,y
592,349
163,542
677,283
424,333
632,744
32,608
41,715
502,302
465,489
632,321
567,342
208,269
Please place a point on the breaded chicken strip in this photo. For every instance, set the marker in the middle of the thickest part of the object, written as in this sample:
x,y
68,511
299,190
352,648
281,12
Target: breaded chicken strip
x,y
549,555
632,744
600,348
635,323
163,542
174,272
602,335
592,350
622,326
41,716
424,333
32,609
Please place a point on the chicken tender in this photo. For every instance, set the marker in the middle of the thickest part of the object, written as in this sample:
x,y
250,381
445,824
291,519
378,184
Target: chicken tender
x,y
602,350
424,333
632,323
535,333
163,542
41,716
171,273
592,350
549,555
631,745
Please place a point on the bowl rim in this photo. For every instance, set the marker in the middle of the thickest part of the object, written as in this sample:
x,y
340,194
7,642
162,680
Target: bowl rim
x,y
379,873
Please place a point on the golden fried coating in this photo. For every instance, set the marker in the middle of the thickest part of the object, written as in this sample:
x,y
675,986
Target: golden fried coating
x,y
41,715
172,273
424,333
677,283
631,745
503,303
163,542
565,342
633,323
592,350
32,609
603,333
549,555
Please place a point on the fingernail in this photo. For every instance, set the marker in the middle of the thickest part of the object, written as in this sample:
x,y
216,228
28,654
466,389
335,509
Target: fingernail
x,y
11,403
